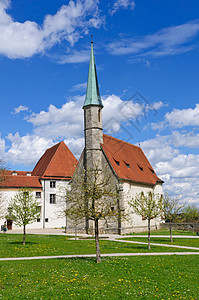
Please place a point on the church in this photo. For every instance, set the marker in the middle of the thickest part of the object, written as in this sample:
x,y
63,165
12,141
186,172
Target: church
x,y
127,164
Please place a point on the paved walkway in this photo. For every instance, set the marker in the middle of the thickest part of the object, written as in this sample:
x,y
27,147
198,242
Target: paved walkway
x,y
157,244
102,255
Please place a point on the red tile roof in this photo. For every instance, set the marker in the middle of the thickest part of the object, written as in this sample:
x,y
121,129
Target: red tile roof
x,y
20,180
57,162
128,161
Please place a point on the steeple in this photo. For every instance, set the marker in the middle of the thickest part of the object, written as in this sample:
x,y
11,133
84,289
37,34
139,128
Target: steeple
x,y
92,93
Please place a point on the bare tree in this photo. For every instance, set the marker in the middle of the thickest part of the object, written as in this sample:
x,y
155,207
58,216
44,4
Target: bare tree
x,y
24,209
93,196
172,208
148,206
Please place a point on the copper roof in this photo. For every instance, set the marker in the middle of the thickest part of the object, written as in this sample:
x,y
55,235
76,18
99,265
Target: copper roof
x,y
57,162
128,161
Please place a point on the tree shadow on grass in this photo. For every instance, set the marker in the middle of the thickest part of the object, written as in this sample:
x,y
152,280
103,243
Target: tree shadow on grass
x,y
21,242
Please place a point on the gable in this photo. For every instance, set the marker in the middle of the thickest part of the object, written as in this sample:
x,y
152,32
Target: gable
x,y
57,161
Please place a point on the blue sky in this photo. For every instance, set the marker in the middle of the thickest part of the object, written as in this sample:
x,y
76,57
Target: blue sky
x,y
147,63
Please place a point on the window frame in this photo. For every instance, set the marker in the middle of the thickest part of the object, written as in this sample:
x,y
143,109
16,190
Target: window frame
x,y
52,198
52,184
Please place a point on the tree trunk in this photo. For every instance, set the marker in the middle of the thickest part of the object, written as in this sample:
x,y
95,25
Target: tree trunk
x,y
24,234
75,231
98,258
170,228
149,234
66,225
119,231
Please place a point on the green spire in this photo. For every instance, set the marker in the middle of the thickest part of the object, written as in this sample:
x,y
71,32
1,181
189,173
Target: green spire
x,y
92,92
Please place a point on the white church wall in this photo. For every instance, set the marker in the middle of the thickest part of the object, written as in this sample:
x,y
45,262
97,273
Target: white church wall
x,y
135,222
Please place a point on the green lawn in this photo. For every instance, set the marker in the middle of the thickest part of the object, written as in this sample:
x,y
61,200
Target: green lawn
x,y
166,232
173,277
37,245
163,240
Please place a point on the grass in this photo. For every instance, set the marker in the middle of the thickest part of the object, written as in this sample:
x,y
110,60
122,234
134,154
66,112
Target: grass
x,y
164,240
41,245
173,277
166,232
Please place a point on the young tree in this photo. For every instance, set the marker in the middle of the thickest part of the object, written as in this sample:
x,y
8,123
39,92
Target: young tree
x,y
172,208
148,206
24,209
190,213
93,196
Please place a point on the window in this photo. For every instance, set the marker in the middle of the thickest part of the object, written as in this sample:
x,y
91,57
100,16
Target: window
x,y
39,208
38,220
9,211
53,184
141,168
52,198
116,161
152,170
38,194
128,165
46,219
99,115
112,208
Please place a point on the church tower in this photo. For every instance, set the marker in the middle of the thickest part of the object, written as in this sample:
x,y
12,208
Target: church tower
x,y
93,131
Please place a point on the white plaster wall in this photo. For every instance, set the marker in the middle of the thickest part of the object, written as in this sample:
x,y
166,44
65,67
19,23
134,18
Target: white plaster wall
x,y
51,211
135,222
8,194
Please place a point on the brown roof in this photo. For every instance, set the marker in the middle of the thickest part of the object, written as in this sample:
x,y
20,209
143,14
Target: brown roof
x,y
20,180
57,162
128,161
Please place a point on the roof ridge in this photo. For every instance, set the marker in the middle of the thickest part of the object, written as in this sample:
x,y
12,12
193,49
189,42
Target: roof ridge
x,y
114,138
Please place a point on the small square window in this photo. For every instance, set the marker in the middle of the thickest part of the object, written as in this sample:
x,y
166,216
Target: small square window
x,y
52,198
38,220
46,220
39,208
53,184
38,194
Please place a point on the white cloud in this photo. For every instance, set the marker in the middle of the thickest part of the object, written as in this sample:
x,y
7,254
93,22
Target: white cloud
x,y
179,118
20,108
75,57
79,87
27,149
123,4
183,117
21,40
168,41
55,121
179,171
